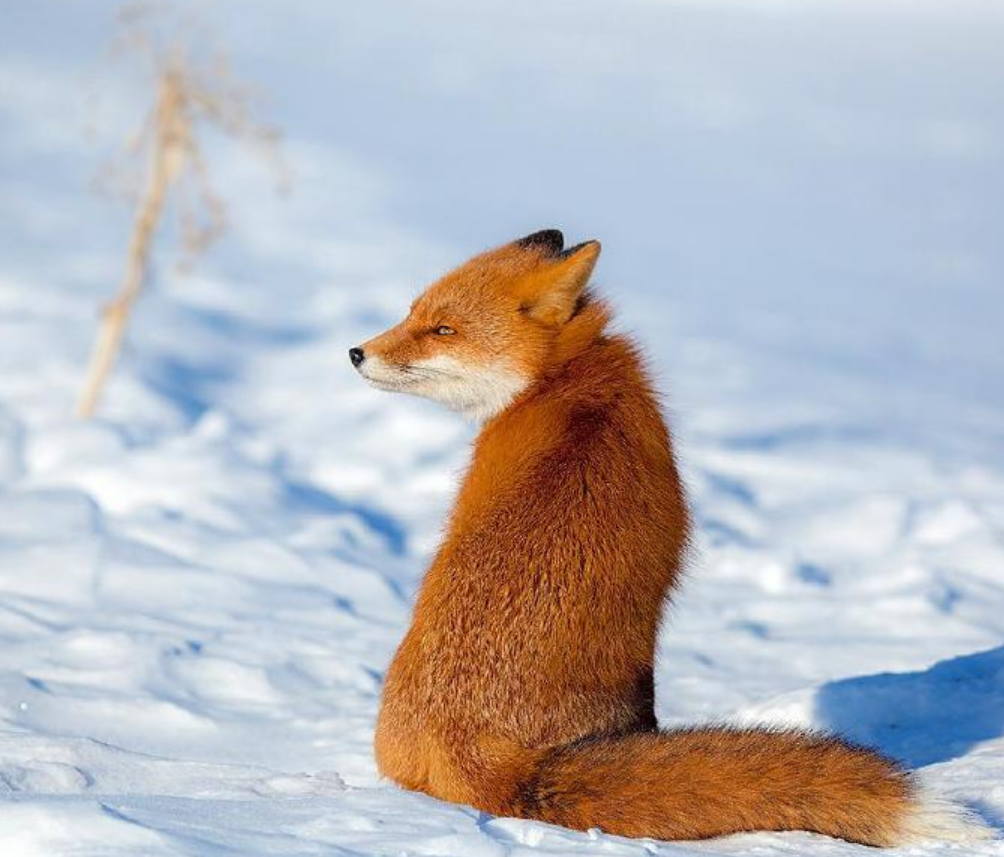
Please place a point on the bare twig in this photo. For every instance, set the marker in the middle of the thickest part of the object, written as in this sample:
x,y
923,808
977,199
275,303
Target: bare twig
x,y
171,142
187,96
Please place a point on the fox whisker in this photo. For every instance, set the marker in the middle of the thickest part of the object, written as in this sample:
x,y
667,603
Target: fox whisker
x,y
424,372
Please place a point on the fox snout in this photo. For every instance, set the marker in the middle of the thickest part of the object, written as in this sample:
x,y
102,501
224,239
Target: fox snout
x,y
357,356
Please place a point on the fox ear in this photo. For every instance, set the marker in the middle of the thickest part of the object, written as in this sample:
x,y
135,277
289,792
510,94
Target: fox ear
x,y
550,293
551,241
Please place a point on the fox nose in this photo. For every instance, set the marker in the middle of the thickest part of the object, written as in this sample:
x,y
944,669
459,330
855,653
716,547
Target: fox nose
x,y
357,356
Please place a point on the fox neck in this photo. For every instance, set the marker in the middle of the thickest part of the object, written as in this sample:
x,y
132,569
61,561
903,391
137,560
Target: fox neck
x,y
491,394
505,389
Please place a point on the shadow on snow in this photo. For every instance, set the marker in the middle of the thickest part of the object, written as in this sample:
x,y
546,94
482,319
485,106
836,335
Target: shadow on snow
x,y
921,718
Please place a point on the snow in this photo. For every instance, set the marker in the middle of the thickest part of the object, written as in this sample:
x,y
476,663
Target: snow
x,y
200,590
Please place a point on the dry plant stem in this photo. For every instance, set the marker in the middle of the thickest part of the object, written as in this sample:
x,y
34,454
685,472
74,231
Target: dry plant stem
x,y
191,95
170,145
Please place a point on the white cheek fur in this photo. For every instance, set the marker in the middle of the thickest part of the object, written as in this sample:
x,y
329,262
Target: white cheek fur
x,y
478,392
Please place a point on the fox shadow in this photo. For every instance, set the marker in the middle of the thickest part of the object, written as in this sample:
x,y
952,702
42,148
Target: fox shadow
x,y
924,717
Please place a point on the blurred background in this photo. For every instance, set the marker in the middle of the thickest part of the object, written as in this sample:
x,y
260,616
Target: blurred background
x,y
800,206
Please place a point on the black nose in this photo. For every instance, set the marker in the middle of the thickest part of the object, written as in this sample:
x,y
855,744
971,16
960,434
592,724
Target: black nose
x,y
356,355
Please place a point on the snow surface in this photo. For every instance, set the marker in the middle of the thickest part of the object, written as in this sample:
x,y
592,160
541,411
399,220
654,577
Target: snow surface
x,y
800,206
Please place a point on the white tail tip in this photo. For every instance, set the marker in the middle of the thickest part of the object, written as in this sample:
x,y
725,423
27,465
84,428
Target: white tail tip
x,y
934,818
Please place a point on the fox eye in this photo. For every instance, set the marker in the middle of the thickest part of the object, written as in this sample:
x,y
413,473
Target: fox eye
x,y
444,330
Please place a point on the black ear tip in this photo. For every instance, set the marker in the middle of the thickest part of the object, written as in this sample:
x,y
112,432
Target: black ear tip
x,y
571,251
550,240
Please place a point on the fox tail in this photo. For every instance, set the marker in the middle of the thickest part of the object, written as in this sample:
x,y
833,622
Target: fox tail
x,y
705,782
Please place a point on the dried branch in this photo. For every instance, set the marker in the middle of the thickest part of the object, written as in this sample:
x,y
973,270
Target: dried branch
x,y
189,96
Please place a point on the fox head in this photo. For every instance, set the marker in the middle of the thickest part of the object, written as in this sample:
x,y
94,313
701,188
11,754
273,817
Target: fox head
x,y
481,335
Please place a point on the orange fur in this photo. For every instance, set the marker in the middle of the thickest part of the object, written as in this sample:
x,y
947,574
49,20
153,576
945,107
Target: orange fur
x,y
524,685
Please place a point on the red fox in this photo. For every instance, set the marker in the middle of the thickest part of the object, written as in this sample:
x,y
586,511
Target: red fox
x,y
524,685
